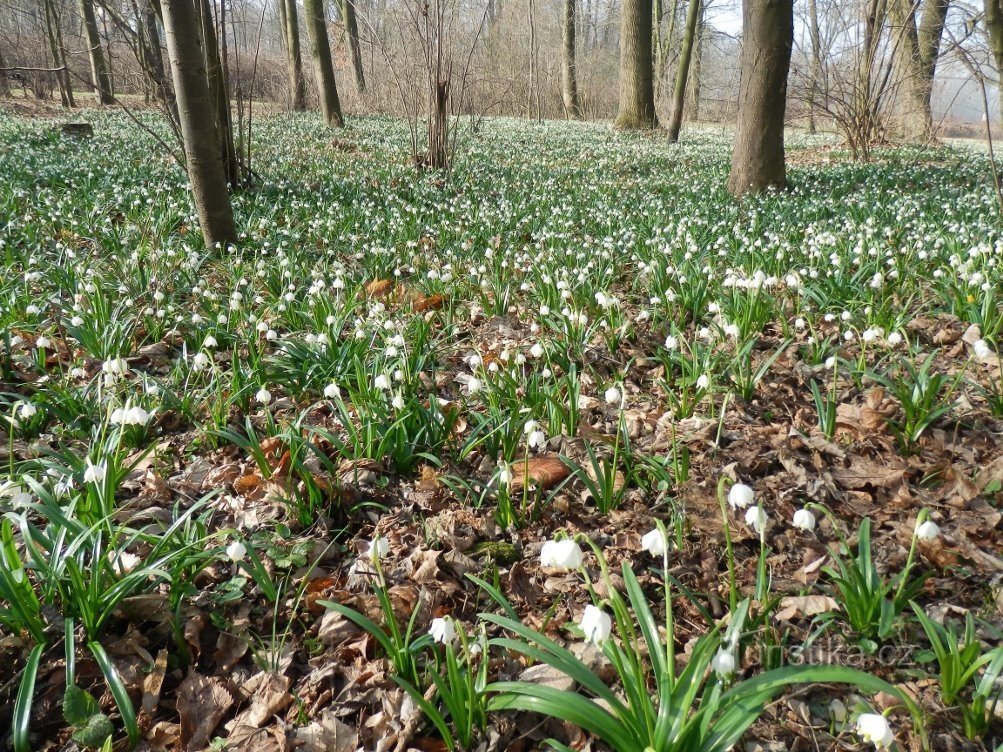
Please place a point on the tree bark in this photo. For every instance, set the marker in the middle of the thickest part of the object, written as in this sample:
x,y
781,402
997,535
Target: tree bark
x,y
198,120
323,67
354,47
994,25
219,93
95,51
569,75
683,70
815,66
636,108
58,52
768,37
4,83
294,60
917,118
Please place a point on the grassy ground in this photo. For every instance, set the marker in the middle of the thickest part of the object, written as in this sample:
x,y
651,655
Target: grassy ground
x,y
338,488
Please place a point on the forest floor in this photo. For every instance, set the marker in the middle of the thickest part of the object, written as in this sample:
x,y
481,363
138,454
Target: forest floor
x,y
358,483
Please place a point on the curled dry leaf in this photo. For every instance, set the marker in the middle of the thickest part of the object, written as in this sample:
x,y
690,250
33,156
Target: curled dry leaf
x,y
805,605
379,288
544,471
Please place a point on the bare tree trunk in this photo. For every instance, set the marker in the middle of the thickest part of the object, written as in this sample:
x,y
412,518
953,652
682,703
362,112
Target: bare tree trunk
x,y
4,83
917,118
767,39
198,118
636,108
294,60
533,62
219,91
569,76
323,67
994,25
815,65
99,71
58,52
683,70
696,76
352,29
931,31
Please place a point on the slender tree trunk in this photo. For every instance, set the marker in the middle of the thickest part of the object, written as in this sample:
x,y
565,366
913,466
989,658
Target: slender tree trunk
x,y
58,52
323,67
994,25
219,92
636,108
767,39
155,56
4,83
533,62
569,75
683,70
294,60
815,66
198,118
99,70
354,47
696,76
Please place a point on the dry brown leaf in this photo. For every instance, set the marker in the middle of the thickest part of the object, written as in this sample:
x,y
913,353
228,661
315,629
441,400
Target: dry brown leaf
x,y
246,484
379,288
431,303
863,473
805,605
202,703
544,471
270,696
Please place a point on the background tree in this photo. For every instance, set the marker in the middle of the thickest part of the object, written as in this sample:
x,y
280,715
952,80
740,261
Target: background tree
x,y
994,25
320,54
351,20
95,51
683,69
569,76
917,47
767,40
294,60
58,52
197,113
636,108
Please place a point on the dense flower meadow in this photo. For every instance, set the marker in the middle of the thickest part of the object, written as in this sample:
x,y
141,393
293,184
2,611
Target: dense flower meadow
x,y
566,449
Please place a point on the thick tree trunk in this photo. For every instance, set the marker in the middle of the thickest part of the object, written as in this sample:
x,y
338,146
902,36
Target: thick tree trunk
x,y
196,109
637,90
683,70
767,39
95,51
931,31
696,74
58,52
916,115
354,47
569,75
994,24
294,60
323,67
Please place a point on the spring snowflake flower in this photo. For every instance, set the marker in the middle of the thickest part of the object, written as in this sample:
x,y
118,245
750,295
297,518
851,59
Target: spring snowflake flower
x,y
263,396
236,551
442,630
723,663
596,624
703,382
27,410
382,382
378,548
928,530
613,396
740,496
397,402
537,440
95,473
875,729
804,520
755,517
561,554
655,542
982,349
671,342
332,391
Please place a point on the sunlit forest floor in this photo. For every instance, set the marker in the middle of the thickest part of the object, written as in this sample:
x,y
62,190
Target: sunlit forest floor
x,y
421,464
